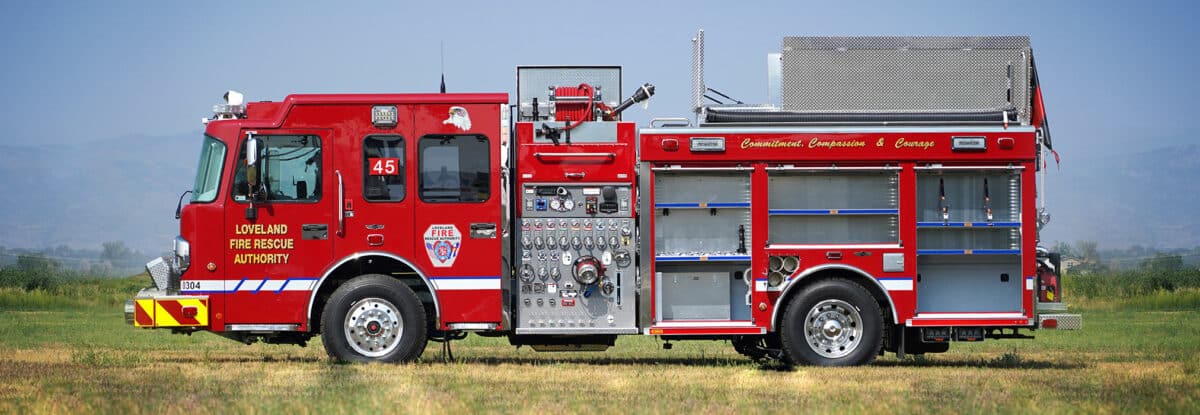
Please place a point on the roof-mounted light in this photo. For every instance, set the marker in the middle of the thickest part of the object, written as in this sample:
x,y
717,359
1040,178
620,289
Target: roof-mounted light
x,y
234,107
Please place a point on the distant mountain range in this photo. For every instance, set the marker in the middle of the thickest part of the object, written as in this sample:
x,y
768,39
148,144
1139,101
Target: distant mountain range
x,y
125,189
84,194
1148,198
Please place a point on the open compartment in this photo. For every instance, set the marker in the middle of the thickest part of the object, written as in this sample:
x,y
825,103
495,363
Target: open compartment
x,y
696,232
969,283
833,206
702,292
702,213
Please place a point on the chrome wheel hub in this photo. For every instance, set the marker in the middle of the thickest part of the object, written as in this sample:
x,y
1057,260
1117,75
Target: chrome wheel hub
x,y
373,327
833,328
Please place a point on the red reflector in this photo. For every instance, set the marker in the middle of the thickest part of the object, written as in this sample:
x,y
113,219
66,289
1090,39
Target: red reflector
x,y
670,144
1005,143
1049,323
188,312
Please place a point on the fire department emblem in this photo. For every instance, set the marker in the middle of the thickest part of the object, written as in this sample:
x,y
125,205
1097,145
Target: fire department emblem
x,y
442,243
459,118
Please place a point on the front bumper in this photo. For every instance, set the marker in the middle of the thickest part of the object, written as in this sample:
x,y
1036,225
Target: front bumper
x,y
155,309
162,306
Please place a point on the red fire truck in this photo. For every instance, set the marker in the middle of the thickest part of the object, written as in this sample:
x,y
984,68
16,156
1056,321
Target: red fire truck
x,y
885,200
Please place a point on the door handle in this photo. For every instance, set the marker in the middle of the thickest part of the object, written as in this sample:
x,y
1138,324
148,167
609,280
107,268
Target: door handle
x,y
311,231
483,231
341,208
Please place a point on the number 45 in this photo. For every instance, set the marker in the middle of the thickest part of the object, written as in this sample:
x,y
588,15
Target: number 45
x,y
385,166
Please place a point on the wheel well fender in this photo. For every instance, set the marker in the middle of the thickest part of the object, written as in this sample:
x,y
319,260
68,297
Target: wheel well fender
x,y
814,274
373,262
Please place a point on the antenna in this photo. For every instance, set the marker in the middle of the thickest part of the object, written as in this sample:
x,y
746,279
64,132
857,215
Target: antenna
x,y
443,52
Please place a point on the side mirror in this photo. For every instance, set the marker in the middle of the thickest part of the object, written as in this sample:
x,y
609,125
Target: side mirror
x,y
253,187
252,152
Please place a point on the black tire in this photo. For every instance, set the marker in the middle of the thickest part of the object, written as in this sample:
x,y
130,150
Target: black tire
x,y
846,325
386,321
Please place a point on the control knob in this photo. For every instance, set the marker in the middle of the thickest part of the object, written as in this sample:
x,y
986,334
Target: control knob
x,y
622,258
587,270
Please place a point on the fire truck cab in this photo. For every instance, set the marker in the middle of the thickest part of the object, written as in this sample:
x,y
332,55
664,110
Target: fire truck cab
x,y
861,211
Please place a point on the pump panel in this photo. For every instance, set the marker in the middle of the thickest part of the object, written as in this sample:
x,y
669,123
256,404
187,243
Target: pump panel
x,y
576,272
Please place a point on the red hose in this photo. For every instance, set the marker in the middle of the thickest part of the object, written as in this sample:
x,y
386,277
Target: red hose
x,y
591,94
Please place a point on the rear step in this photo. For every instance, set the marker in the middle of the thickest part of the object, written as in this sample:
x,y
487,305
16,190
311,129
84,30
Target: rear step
x,y
1060,321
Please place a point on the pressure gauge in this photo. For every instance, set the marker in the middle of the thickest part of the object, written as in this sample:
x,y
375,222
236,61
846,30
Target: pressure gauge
x,y
556,205
568,205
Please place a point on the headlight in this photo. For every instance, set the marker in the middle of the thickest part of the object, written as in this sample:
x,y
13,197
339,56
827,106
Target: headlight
x,y
183,254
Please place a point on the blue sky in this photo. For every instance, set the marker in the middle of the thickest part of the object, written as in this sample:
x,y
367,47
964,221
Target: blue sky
x,y
1119,77
1113,73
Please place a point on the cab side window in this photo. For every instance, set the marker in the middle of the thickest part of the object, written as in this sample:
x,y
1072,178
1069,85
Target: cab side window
x,y
289,169
383,168
454,168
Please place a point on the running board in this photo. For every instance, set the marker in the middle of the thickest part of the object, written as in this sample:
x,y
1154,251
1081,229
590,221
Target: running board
x,y
969,319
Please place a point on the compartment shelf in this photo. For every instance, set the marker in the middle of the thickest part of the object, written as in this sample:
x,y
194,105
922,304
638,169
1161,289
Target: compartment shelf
x,y
703,258
968,224
702,205
784,212
968,251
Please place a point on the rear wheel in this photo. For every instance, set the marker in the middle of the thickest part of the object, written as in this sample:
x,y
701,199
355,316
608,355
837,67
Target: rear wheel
x,y
374,318
834,322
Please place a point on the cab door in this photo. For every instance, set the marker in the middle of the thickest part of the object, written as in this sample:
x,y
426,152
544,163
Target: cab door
x,y
376,168
278,231
458,209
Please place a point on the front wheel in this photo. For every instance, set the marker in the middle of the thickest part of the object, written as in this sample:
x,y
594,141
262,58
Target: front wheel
x,y
834,322
374,318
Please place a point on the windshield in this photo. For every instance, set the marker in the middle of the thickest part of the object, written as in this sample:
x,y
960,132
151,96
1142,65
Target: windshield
x,y
208,173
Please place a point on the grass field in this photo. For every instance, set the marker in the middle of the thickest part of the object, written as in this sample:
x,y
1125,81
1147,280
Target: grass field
x,y
69,351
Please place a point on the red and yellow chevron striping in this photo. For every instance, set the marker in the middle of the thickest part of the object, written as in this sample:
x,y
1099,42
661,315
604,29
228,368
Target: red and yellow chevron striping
x,y
171,312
